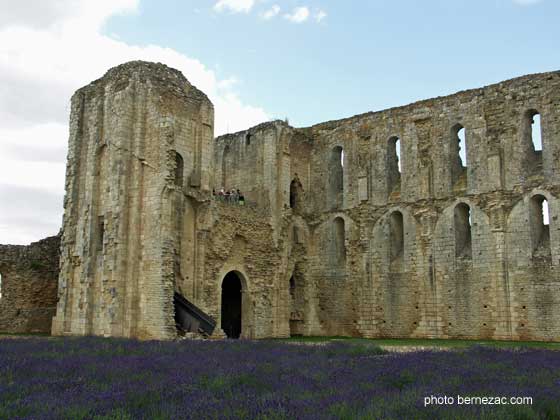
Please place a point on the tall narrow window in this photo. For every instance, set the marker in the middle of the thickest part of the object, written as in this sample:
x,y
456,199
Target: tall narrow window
x,y
179,168
458,153
335,193
539,221
394,164
536,131
396,238
532,142
339,242
0,285
463,236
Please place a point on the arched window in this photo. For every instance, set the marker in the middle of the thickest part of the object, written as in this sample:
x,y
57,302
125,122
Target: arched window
x,y
396,235
296,191
339,238
458,153
539,221
248,137
0,285
335,193
532,141
394,164
179,168
463,236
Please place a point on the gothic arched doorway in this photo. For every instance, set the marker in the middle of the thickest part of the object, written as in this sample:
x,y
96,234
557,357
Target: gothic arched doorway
x,y
231,305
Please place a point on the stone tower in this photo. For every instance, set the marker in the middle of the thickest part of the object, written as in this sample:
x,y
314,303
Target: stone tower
x,y
140,137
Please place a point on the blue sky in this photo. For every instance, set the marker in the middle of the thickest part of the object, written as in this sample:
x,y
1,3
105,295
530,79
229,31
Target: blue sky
x,y
307,60
364,55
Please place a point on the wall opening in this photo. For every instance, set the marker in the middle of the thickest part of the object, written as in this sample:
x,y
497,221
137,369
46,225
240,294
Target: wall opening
x,y
458,155
339,238
394,164
536,132
296,191
540,223
179,169
0,285
396,235
533,141
335,192
248,137
463,234
231,305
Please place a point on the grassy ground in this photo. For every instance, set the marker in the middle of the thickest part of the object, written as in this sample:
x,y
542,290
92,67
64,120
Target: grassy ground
x,y
426,343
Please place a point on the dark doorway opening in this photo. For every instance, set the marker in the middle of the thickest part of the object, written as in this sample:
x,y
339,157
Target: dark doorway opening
x,y
231,305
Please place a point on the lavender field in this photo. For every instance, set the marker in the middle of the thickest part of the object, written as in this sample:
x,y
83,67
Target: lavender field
x,y
92,378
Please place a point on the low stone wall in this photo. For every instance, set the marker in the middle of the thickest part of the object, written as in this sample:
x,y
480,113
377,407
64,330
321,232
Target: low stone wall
x,y
29,286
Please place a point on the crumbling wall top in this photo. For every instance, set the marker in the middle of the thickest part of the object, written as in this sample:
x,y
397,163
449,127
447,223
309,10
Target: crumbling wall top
x,y
420,107
163,77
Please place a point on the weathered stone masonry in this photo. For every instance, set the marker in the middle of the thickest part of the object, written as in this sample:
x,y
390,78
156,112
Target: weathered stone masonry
x,y
437,250
29,285
369,226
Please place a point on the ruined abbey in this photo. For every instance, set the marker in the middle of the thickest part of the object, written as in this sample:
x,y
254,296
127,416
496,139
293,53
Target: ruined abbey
x,y
437,219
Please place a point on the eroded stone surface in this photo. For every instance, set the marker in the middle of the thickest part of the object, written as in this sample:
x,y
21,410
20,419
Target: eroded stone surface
x,y
28,286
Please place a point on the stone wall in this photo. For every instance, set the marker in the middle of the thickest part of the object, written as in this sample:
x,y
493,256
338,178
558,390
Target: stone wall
x,y
499,286
28,287
339,235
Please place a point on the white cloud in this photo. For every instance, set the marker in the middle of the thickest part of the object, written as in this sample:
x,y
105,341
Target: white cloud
x,y
234,6
299,15
45,55
527,2
320,15
272,12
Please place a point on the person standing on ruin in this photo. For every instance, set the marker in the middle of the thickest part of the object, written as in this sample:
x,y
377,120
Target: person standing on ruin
x,y
241,198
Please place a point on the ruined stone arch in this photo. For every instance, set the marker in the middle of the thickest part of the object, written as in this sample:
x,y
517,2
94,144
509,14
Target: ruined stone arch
x,y
229,295
393,239
390,270
465,282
